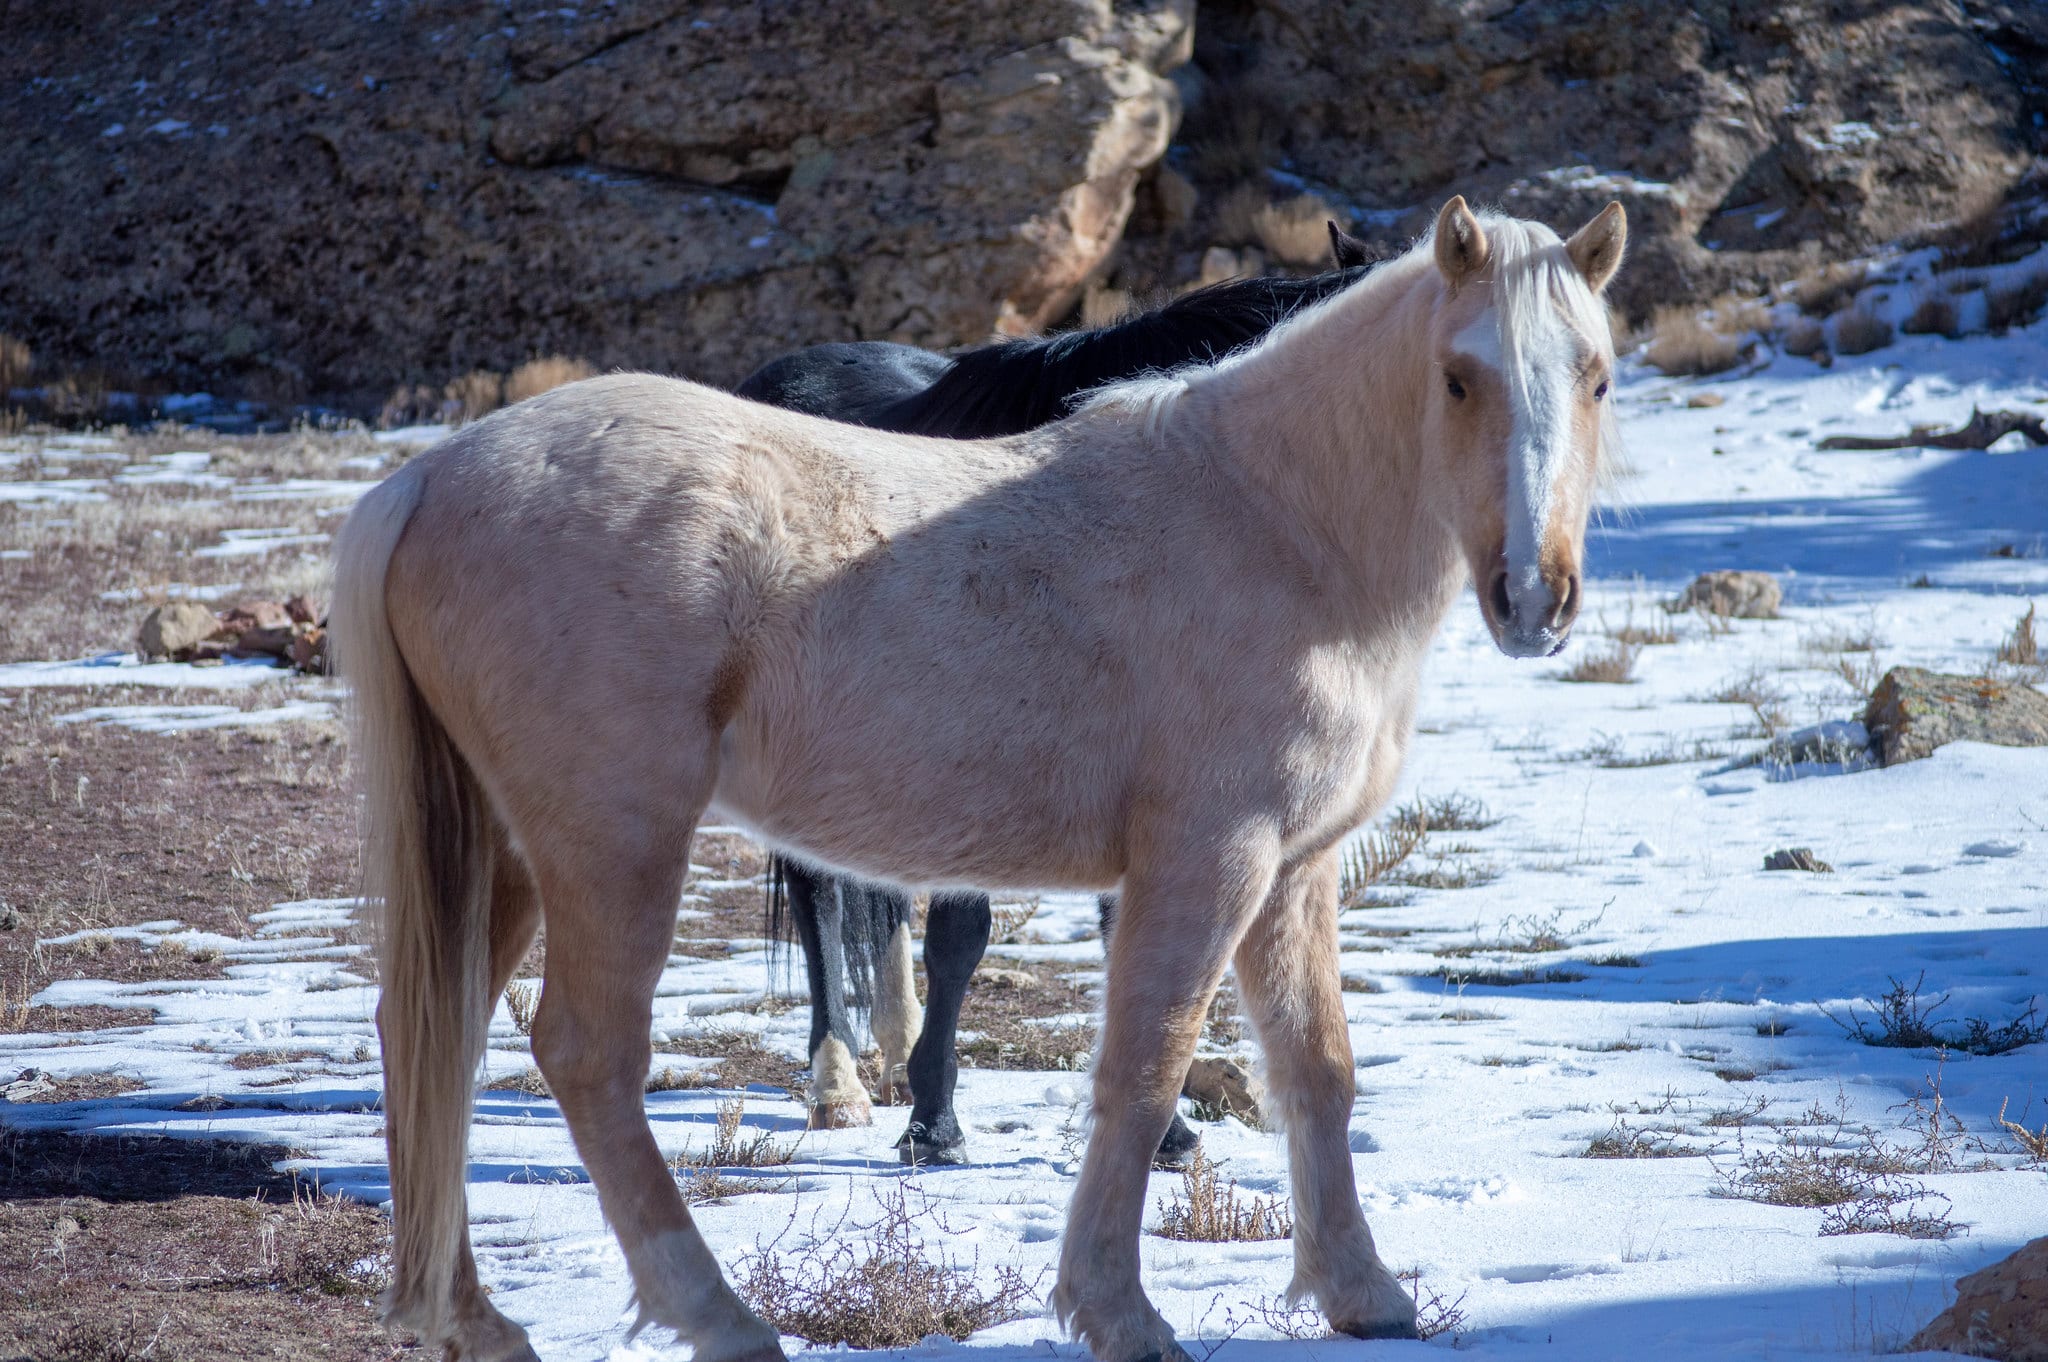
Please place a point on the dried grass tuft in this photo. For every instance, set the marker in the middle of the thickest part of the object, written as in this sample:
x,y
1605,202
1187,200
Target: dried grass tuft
x,y
1935,314
1827,289
1805,337
476,394
1370,859
1859,331
890,1291
1237,214
522,1000
1295,231
17,364
1612,665
536,376
1206,1211
2021,648
732,1149
2017,303
1681,342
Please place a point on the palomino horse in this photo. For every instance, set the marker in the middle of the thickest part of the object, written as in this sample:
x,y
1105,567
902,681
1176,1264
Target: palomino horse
x,y
860,933
1170,644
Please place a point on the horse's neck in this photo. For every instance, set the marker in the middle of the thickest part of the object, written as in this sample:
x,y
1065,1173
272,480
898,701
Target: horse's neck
x,y
1325,421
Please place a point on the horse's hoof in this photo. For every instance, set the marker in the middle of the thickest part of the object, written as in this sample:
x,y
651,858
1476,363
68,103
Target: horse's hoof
x,y
916,1149
1175,1353
1177,1150
838,1116
1379,1329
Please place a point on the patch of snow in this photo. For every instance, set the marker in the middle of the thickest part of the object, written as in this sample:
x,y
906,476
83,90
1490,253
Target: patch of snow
x,y
126,669
190,718
243,543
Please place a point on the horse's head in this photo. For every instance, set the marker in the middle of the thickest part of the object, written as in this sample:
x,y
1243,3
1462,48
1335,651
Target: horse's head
x,y
1523,363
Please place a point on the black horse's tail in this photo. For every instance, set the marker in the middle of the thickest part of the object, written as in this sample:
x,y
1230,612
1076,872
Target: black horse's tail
x,y
868,917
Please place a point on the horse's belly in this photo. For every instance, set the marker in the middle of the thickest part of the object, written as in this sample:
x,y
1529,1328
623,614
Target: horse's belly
x,y
927,776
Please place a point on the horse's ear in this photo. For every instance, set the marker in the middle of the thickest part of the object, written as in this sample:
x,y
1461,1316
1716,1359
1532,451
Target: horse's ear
x,y
1595,249
1462,249
1348,251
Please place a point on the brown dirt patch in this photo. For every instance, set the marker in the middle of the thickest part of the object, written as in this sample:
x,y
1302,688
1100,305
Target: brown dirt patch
x,y
1007,1013
123,1247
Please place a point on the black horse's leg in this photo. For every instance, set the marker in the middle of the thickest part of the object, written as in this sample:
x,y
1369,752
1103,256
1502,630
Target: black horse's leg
x,y
956,932
1180,1142
837,1097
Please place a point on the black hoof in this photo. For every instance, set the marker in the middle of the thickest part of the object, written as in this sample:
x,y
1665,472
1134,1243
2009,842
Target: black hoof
x,y
1393,1328
1177,1148
916,1148
1174,1354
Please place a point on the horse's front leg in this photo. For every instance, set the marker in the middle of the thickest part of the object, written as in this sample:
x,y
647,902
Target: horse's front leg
x,y
835,1098
1288,977
1179,919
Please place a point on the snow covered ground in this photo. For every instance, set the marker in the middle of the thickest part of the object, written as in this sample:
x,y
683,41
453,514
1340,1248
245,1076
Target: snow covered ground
x,y
1690,986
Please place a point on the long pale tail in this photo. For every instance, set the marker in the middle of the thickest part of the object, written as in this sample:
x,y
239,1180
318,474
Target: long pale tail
x,y
427,845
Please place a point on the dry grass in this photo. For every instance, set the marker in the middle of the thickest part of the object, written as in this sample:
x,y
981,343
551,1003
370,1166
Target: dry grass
x,y
1295,231
536,376
1934,314
1625,1141
1204,1210
890,1291
1444,813
2017,303
2034,1143
1805,337
1237,215
2021,648
1103,306
730,1148
1369,860
1902,1019
1859,331
739,1059
475,394
1682,342
1827,289
1613,665
522,1000
1656,634
17,364
1736,314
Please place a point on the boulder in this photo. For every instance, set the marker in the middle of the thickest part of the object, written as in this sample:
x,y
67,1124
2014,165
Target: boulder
x,y
1797,858
1731,595
1914,711
254,615
2000,1311
648,184
177,631
1224,1085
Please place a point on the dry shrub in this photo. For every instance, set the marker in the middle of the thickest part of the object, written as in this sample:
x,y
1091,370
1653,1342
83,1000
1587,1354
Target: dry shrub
x,y
1682,343
1859,331
2033,1142
1368,860
17,363
326,1244
1174,197
1903,1021
1624,1141
1935,314
1238,213
536,376
2016,303
1444,813
731,1149
1008,919
1735,314
1231,132
1296,231
413,404
2020,647
522,1001
890,1292
1826,290
1204,1211
77,396
1612,665
1011,1042
1804,337
476,394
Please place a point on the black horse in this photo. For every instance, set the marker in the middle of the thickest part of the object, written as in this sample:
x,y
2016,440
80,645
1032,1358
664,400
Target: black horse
x,y
1001,389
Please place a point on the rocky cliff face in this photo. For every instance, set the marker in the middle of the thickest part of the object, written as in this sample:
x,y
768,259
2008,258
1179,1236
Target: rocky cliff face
x,y
311,197
1747,138
331,198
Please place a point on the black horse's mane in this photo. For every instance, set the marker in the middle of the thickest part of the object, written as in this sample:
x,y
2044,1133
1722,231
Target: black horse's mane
x,y
1016,385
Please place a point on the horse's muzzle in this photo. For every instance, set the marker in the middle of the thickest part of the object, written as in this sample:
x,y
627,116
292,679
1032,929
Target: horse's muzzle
x,y
1534,620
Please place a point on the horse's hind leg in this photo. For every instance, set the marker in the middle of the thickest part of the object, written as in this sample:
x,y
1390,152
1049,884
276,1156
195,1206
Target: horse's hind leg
x,y
896,1017
1287,974
610,905
1179,919
836,1098
956,932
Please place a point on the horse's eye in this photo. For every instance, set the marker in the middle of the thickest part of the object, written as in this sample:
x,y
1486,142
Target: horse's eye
x,y
1457,389
1600,391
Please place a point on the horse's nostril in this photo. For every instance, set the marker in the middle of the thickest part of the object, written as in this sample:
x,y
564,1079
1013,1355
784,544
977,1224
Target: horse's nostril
x,y
1568,606
1503,605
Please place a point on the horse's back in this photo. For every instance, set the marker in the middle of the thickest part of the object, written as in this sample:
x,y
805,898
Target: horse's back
x,y
843,380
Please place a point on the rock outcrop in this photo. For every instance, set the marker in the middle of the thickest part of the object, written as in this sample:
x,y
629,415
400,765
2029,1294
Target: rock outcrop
x,y
2000,1312
1913,711
331,200
1747,138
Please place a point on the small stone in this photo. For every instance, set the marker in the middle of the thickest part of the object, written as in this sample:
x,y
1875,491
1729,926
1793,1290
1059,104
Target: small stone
x,y
995,976
1914,711
1705,400
1797,858
2000,1311
255,615
175,630
1731,595
1644,852
27,1086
